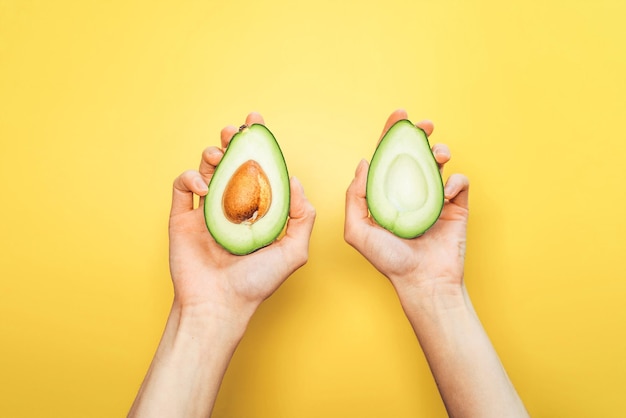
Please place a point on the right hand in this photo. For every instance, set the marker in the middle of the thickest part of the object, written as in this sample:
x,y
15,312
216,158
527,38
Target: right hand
x,y
437,257
205,274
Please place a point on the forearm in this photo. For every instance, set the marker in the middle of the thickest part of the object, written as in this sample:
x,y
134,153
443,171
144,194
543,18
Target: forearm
x,y
190,362
466,367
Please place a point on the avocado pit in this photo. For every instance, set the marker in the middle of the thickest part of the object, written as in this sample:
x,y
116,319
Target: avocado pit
x,y
248,195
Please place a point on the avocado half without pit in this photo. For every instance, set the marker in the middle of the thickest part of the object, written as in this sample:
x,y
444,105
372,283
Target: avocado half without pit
x,y
404,190
247,205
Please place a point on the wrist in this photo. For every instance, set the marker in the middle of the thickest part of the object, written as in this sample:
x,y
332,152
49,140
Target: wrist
x,y
432,297
209,321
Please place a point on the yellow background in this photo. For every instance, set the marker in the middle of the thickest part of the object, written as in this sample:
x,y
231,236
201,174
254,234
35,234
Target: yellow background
x,y
103,104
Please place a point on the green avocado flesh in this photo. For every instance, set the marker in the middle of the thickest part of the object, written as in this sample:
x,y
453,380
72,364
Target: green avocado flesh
x,y
404,189
237,217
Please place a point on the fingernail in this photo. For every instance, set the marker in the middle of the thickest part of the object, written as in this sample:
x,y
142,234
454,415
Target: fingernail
x,y
447,190
442,153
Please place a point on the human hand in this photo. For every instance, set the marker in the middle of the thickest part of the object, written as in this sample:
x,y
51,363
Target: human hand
x,y
427,273
205,275
437,257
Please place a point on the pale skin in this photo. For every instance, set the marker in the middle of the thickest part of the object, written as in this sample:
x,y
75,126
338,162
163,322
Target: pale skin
x,y
427,274
216,294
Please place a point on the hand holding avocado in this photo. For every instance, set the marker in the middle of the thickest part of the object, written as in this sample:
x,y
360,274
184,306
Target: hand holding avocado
x,y
439,253
201,268
427,271
398,216
215,293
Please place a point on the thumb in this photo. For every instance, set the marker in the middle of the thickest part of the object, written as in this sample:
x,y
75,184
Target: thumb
x,y
457,190
356,205
302,214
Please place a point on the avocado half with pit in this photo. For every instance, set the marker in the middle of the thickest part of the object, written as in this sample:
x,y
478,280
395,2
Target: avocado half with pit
x,y
247,204
404,188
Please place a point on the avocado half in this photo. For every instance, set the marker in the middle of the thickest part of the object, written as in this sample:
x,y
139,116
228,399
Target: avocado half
x,y
247,204
404,188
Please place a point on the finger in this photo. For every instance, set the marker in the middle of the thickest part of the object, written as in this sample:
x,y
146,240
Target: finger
x,y
254,117
442,155
185,186
226,135
356,205
301,211
397,115
295,243
457,190
427,126
229,131
211,157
